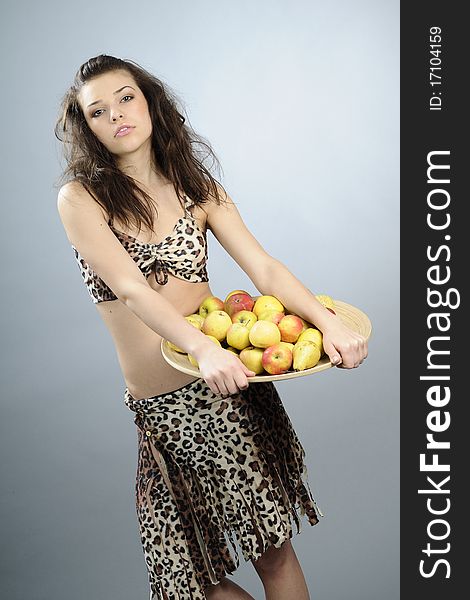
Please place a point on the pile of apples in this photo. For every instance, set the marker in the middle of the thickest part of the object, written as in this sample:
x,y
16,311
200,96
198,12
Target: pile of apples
x,y
260,331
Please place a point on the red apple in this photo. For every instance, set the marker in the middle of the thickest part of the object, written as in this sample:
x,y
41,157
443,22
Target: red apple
x,y
277,359
235,292
237,302
291,326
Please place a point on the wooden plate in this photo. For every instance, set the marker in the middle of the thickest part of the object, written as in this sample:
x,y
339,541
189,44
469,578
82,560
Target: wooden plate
x,y
351,316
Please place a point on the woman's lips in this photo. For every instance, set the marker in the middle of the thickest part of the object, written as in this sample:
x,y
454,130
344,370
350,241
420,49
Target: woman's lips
x,y
124,131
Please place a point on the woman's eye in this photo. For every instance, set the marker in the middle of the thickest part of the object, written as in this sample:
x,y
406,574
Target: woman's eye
x,y
97,111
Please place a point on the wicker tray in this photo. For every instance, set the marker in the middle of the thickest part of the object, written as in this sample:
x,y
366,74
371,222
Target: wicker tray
x,y
350,315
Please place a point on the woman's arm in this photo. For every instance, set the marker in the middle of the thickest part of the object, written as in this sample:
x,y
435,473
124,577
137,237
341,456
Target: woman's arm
x,y
273,278
341,344
87,229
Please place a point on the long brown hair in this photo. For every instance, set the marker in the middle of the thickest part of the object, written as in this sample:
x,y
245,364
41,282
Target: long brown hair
x,y
179,152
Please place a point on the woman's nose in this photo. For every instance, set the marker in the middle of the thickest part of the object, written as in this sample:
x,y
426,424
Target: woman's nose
x,y
115,115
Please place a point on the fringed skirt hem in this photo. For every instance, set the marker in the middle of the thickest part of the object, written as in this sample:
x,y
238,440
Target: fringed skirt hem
x,y
213,473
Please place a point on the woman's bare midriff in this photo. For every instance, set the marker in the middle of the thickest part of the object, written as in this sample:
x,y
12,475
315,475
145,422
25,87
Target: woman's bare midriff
x,y
145,371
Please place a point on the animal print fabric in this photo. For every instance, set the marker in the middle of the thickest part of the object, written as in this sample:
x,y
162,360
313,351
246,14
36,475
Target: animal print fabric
x,y
183,254
213,472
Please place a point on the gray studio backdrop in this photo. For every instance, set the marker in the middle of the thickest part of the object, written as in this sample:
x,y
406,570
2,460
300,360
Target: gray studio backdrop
x,y
300,100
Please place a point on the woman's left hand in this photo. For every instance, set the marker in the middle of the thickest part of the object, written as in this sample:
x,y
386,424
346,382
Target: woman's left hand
x,y
344,347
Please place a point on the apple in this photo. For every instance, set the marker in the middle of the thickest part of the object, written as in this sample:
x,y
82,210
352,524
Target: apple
x,y
217,324
287,345
245,317
235,292
210,304
231,349
264,334
252,358
326,300
313,335
274,316
277,359
306,354
290,327
267,302
238,336
191,358
195,319
238,302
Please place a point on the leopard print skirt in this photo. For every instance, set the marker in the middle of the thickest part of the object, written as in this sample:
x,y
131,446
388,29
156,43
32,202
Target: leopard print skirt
x,y
212,473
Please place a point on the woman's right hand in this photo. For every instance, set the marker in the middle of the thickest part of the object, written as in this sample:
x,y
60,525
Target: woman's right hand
x,y
222,370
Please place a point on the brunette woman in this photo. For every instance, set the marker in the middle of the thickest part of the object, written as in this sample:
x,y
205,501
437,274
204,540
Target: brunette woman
x,y
219,462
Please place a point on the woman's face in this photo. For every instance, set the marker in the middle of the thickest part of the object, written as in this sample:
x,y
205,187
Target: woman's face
x,y
110,101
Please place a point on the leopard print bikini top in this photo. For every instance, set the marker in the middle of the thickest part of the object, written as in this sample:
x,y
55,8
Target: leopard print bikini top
x,y
183,253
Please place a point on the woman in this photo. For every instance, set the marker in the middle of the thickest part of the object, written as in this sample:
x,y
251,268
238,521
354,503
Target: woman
x,y
218,461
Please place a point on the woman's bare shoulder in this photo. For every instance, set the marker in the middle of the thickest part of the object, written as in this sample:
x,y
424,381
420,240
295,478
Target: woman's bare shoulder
x,y
74,194
214,203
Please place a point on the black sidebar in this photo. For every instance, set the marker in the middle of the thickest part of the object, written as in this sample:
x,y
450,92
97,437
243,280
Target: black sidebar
x,y
435,329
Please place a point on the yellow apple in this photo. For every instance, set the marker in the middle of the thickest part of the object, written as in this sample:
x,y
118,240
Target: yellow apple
x,y
252,359
274,316
210,304
306,354
287,345
245,317
313,335
264,334
216,324
238,336
267,303
277,359
290,327
232,349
